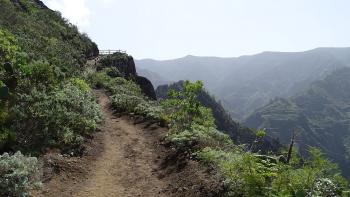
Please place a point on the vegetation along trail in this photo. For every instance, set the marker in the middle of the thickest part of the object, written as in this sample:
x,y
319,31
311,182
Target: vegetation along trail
x,y
125,164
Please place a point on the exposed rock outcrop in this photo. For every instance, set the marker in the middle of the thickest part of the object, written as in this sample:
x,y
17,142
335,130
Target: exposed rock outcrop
x,y
92,52
40,4
126,66
22,6
123,62
146,87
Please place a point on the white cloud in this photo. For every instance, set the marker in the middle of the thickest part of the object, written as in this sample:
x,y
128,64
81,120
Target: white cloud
x,y
76,11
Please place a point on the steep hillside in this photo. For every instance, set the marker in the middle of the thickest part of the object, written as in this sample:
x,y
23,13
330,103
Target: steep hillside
x,y
51,110
44,101
246,83
42,60
223,121
319,115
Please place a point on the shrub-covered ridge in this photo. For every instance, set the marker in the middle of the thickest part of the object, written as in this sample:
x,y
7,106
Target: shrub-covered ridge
x,y
44,103
246,173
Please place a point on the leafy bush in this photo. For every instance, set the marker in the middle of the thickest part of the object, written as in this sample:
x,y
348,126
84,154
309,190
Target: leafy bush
x,y
248,174
244,175
113,72
42,74
6,137
60,117
200,136
183,108
8,47
18,174
126,95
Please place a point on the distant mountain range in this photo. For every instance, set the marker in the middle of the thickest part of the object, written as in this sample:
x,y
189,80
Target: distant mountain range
x,y
305,92
247,83
319,115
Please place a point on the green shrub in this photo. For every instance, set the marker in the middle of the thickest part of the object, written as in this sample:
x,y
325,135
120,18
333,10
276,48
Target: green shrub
x,y
113,72
59,117
127,101
99,80
18,174
244,176
6,137
43,74
245,173
81,84
183,108
126,95
199,136
8,47
248,174
149,109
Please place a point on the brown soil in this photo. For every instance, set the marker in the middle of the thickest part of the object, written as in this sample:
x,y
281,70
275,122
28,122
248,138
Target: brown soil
x,y
126,158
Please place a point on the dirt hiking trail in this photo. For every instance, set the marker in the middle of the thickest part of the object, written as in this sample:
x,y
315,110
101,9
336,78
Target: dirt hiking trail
x,y
125,158
125,167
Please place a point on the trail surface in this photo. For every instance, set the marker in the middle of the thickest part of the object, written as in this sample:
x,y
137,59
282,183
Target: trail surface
x,y
125,158
126,166
122,161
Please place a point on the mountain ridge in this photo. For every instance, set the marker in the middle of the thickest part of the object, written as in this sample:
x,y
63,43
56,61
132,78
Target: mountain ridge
x,y
241,56
321,115
246,83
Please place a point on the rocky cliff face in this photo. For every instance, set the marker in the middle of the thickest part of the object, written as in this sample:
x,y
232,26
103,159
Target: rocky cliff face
x,y
126,66
146,87
40,4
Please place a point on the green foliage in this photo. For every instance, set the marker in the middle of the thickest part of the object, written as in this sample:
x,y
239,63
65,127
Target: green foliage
x,y
116,85
115,59
191,124
43,99
260,133
320,114
81,84
18,174
42,74
248,174
113,72
198,135
245,173
45,35
6,137
62,116
184,109
41,49
126,95
8,47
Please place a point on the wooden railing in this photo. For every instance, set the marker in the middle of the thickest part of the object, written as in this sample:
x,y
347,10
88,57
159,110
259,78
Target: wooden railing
x,y
110,52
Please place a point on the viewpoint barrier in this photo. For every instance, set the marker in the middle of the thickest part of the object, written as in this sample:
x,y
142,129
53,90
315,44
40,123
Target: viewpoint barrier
x,y
110,52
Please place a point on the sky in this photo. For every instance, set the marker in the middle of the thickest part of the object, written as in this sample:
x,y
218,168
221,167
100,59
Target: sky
x,y
167,29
